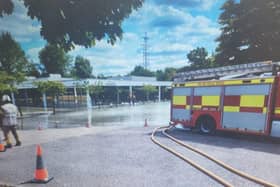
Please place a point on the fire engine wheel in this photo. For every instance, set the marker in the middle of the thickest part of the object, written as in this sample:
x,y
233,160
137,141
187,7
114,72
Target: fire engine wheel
x,y
206,125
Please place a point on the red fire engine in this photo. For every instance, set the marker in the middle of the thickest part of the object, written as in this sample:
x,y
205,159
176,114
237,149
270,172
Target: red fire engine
x,y
249,105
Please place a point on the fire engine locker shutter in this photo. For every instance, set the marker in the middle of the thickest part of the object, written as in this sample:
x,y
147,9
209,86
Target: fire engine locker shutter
x,y
210,96
180,109
248,111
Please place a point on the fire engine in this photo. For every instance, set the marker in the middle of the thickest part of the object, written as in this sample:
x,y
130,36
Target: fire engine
x,y
249,105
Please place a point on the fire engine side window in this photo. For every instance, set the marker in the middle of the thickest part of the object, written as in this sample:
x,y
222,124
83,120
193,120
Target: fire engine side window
x,y
206,97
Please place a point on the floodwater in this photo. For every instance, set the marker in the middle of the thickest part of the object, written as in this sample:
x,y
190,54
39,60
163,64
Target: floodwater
x,y
156,114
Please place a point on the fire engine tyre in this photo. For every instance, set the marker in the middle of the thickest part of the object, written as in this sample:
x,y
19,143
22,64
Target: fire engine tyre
x,y
206,125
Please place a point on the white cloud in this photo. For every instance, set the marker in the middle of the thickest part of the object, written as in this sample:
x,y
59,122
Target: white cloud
x,y
33,53
190,4
168,45
208,4
22,28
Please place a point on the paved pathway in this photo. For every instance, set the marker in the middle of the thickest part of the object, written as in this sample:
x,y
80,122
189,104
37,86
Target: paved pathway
x,y
114,156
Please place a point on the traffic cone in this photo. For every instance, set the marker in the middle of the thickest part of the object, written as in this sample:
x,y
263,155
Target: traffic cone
x,y
41,175
2,146
146,123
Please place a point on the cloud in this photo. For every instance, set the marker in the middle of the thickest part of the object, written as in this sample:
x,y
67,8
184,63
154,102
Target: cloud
x,y
174,49
203,4
172,28
22,28
33,53
172,33
167,22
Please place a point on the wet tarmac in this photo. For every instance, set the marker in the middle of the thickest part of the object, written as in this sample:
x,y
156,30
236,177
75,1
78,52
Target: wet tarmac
x,y
129,115
117,151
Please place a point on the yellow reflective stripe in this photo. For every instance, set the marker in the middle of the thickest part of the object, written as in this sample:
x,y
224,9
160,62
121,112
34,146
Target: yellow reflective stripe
x,y
271,80
252,100
188,107
196,106
264,110
231,108
233,82
277,110
255,81
179,100
192,84
210,100
226,82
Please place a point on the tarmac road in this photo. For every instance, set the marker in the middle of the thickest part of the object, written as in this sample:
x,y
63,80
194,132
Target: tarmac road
x,y
125,156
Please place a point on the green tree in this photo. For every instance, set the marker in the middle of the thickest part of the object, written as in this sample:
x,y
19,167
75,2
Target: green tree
x,y
82,68
55,60
250,31
6,7
33,70
12,58
165,75
140,71
52,88
6,83
148,89
76,22
198,58
96,91
228,52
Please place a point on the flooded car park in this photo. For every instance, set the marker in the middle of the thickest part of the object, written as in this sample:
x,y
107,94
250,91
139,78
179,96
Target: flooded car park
x,y
127,115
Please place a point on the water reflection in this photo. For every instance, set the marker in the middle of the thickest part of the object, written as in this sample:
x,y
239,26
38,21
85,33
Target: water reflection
x,y
155,113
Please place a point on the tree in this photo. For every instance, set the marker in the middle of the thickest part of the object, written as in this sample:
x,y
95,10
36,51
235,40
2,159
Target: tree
x,y
6,7
250,31
33,70
82,68
12,58
166,75
77,22
228,51
96,91
140,71
148,89
198,58
6,83
54,59
52,88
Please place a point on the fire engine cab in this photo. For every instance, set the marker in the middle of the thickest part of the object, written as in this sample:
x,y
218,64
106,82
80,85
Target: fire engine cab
x,y
249,105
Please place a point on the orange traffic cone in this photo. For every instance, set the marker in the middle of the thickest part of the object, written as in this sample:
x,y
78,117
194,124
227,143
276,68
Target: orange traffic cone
x,y
146,123
41,175
2,146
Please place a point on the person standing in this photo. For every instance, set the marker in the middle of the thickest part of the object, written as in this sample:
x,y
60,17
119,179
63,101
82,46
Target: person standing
x,y
8,113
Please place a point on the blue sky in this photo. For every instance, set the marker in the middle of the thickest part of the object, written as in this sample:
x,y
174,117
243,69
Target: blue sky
x,y
174,27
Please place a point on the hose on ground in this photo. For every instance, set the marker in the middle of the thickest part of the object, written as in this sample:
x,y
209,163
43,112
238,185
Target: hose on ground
x,y
222,164
192,163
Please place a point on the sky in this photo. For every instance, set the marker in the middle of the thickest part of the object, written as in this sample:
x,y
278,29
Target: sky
x,y
174,27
